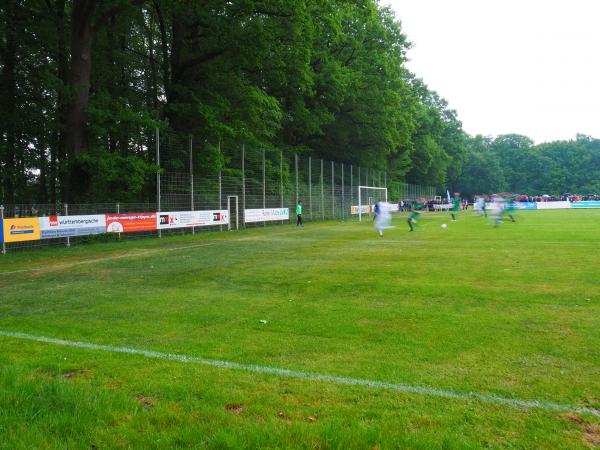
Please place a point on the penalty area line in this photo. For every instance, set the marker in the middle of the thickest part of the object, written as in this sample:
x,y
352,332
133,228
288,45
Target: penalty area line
x,y
310,376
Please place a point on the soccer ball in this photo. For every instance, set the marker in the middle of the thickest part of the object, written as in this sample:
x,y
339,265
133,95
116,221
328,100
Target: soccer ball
x,y
443,225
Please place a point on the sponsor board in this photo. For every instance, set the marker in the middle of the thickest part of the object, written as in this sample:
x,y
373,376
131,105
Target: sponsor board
x,y
493,206
553,205
364,209
586,204
1,231
23,229
185,219
64,226
264,215
443,207
523,205
126,223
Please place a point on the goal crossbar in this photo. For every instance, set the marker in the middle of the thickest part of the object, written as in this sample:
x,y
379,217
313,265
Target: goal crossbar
x,y
360,188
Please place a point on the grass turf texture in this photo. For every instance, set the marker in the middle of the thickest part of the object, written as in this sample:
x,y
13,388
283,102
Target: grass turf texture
x,y
513,311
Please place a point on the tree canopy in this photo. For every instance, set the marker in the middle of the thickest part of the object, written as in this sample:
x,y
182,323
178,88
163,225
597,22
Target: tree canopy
x,y
85,83
513,163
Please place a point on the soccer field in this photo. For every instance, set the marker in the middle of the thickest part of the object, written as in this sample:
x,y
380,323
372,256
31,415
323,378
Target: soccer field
x,y
322,337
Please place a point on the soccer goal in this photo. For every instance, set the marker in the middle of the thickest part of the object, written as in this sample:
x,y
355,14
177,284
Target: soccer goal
x,y
370,195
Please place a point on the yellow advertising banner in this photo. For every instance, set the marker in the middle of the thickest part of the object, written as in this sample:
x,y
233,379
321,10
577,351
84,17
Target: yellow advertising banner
x,y
24,229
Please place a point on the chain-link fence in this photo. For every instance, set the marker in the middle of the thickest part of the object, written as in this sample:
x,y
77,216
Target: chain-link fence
x,y
198,175
265,178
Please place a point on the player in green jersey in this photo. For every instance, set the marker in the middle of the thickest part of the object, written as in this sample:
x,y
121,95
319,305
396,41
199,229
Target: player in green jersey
x,y
299,214
509,206
417,210
456,202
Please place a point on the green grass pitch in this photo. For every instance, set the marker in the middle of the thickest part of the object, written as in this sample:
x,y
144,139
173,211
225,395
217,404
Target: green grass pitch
x,y
463,323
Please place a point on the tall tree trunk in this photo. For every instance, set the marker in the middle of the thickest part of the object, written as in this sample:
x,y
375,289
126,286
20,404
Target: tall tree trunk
x,y
58,157
8,100
84,26
82,38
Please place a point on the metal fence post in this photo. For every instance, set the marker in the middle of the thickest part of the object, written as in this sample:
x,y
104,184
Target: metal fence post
x,y
264,171
244,184
351,193
158,174
332,191
66,214
118,212
296,168
342,212
310,187
221,196
281,180
1,219
220,188
322,194
192,182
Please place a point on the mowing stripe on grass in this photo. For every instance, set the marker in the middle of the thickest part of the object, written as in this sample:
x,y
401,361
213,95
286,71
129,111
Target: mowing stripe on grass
x,y
420,390
146,253
106,258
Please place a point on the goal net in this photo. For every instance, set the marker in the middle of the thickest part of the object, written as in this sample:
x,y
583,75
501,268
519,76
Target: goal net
x,y
368,196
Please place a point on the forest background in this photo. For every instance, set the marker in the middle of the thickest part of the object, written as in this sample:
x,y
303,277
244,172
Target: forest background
x,y
84,84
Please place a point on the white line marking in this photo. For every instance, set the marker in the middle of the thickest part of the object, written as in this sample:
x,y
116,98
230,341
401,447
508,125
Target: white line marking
x,y
405,388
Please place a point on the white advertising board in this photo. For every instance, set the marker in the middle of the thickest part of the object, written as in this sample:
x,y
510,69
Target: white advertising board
x,y
264,215
188,219
553,205
64,226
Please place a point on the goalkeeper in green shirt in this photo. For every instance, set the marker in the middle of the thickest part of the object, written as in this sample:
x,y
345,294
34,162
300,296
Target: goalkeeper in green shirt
x,y
456,202
299,214
417,210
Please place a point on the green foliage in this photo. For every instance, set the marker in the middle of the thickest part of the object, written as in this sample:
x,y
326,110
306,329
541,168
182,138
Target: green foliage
x,y
321,78
513,163
112,177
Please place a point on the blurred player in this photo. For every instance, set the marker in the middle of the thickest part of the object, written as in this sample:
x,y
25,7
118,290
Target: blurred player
x,y
383,218
480,206
504,206
456,203
417,210
510,204
377,211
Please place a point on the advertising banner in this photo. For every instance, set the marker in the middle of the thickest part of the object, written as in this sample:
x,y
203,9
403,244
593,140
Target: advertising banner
x,y
63,226
125,223
19,230
264,215
1,232
524,205
443,207
586,204
185,219
365,209
553,205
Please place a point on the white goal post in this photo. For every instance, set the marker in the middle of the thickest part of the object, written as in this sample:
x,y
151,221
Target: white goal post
x,y
360,189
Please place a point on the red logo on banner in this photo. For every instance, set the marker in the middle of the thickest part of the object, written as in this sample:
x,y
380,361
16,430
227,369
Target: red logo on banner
x,y
53,221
